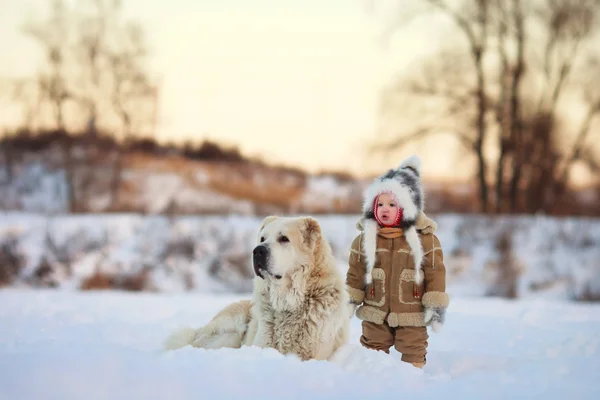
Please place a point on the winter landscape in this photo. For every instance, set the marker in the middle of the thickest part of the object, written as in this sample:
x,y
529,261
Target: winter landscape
x,y
143,143
59,342
72,345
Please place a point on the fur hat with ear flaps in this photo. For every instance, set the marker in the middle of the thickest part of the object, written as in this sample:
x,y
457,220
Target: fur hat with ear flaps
x,y
404,183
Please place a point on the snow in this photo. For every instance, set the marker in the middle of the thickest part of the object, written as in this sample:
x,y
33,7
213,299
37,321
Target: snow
x,y
70,344
160,191
553,258
324,193
34,188
65,345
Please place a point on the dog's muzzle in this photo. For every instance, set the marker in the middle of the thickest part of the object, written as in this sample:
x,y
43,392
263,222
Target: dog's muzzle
x,y
260,259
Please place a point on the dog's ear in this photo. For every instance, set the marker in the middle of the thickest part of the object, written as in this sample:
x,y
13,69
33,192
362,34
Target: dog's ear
x,y
266,222
311,231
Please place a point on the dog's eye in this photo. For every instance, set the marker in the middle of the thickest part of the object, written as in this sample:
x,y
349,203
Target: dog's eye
x,y
262,239
283,239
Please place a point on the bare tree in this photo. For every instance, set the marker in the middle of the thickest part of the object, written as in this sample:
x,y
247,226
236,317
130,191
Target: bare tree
x,y
130,94
515,122
579,150
8,157
502,109
23,92
91,43
96,28
54,37
97,62
537,154
113,55
473,21
534,159
476,31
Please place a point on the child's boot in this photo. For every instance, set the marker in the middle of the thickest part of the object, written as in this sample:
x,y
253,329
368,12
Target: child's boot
x,y
419,364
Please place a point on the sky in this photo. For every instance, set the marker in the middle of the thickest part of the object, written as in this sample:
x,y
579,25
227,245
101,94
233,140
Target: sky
x,y
295,82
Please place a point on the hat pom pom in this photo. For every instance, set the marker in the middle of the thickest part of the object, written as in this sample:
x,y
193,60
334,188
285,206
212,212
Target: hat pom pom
x,y
413,162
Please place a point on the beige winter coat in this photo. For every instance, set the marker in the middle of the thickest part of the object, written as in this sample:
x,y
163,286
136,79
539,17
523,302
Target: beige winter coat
x,y
394,297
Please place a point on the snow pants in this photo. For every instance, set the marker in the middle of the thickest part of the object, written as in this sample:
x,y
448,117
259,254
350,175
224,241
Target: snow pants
x,y
411,341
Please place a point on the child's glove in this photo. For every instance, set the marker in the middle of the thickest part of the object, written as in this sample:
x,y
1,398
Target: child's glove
x,y
436,315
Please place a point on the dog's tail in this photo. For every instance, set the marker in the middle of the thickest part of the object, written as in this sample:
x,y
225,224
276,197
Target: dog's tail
x,y
179,339
226,329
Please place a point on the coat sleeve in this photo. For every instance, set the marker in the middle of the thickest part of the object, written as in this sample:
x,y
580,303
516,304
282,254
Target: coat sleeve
x,y
355,277
435,295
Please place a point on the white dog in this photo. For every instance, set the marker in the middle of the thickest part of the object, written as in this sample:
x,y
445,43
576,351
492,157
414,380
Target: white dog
x,y
299,306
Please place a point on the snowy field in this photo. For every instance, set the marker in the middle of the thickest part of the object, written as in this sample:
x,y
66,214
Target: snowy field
x,y
550,258
107,345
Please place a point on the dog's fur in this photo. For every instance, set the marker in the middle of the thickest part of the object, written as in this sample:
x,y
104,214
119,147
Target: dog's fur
x,y
299,304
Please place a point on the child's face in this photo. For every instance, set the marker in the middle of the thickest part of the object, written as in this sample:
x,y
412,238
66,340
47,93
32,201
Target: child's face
x,y
387,209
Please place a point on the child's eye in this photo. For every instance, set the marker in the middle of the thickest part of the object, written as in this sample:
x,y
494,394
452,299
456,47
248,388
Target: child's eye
x,y
392,205
379,204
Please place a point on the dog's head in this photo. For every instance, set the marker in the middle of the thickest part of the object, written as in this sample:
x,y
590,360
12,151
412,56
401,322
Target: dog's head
x,y
284,245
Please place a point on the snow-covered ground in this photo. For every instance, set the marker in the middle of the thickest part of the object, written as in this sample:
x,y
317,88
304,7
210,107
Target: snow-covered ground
x,y
107,345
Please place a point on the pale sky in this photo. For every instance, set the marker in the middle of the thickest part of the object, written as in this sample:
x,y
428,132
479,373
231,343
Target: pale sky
x,y
297,82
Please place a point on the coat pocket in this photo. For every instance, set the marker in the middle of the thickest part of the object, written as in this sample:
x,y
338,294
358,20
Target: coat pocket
x,y
375,292
408,288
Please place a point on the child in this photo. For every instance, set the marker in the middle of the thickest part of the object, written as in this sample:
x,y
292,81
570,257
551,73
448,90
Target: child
x,y
397,274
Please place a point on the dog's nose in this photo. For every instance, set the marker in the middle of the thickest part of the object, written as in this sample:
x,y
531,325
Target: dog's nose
x,y
260,252
260,255
259,259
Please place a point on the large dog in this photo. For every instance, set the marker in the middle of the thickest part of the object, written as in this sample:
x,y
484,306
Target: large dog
x,y
299,304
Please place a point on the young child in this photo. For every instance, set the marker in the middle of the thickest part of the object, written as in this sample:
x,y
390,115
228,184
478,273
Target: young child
x,y
397,275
